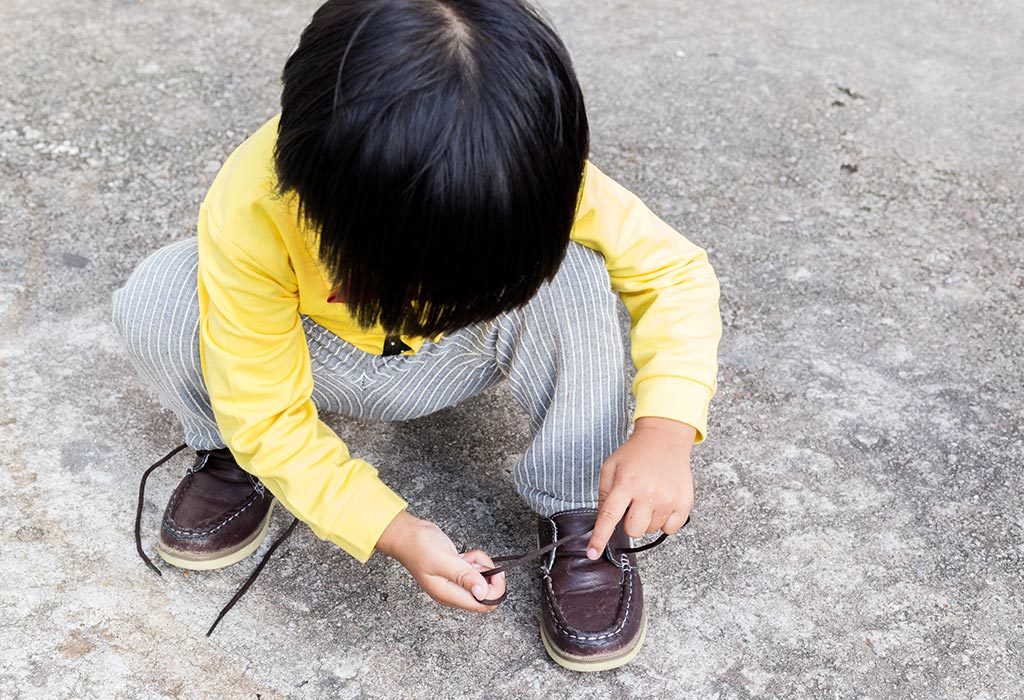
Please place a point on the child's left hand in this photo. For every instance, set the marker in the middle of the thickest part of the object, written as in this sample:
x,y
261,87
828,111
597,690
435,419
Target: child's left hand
x,y
650,476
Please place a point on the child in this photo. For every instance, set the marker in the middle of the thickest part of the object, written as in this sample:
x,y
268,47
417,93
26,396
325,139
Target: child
x,y
419,223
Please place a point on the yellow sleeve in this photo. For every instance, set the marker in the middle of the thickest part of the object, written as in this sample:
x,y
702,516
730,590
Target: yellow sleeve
x,y
257,370
671,293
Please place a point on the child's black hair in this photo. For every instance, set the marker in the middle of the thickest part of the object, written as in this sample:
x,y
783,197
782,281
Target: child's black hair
x,y
437,147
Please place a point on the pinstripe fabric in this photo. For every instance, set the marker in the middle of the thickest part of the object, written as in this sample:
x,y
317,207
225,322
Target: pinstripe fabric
x,y
562,354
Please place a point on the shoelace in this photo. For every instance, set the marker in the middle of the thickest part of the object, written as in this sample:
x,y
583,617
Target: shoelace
x,y
515,560
252,577
512,560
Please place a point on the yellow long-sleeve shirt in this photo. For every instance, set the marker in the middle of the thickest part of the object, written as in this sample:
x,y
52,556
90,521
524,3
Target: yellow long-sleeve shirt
x,y
258,272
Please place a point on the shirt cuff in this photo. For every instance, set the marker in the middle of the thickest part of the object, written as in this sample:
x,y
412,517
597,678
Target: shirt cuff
x,y
676,398
370,510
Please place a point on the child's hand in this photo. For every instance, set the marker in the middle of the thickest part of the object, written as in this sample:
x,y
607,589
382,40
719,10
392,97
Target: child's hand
x,y
650,476
431,557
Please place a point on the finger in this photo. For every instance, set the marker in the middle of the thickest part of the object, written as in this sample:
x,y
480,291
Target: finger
x,y
481,562
495,586
478,556
460,571
605,481
453,595
638,517
658,519
478,587
674,523
609,514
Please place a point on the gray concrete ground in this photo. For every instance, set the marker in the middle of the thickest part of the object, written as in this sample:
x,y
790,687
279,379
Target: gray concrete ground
x,y
855,169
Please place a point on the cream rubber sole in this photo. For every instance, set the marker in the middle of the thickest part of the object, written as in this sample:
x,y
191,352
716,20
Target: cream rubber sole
x,y
183,560
580,663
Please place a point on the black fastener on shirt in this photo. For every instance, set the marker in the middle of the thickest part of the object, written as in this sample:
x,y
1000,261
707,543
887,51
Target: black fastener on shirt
x,y
393,345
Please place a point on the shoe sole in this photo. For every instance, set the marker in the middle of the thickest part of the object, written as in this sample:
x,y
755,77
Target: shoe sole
x,y
222,558
588,664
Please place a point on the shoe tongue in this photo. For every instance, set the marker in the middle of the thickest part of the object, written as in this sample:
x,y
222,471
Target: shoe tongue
x,y
572,523
221,464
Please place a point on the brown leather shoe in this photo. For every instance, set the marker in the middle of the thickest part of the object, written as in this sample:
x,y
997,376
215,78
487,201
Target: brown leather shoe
x,y
218,514
593,611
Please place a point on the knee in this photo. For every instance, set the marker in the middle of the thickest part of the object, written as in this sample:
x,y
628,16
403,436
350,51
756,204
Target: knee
x,y
124,303
582,282
576,311
155,295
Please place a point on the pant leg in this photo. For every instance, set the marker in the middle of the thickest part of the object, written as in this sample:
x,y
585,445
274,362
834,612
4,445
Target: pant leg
x,y
156,314
564,357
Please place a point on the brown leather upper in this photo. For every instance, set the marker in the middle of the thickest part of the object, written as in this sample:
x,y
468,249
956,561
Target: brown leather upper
x,y
215,508
591,608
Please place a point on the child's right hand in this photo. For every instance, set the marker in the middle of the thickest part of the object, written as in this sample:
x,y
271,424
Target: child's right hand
x,y
448,577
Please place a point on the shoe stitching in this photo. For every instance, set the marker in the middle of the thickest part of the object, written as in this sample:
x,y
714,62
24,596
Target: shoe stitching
x,y
190,533
177,495
557,616
256,483
566,631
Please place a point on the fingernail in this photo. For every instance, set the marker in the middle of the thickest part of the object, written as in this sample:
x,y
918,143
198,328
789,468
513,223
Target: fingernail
x,y
592,553
479,591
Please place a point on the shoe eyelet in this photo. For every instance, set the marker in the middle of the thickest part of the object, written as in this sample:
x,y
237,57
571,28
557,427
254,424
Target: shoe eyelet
x,y
623,560
199,463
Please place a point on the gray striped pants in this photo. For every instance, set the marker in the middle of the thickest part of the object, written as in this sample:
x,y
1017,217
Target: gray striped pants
x,y
562,354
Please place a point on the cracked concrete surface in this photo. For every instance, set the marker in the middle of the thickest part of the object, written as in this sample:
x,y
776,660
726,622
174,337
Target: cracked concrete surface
x,y
855,170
